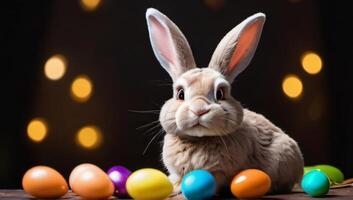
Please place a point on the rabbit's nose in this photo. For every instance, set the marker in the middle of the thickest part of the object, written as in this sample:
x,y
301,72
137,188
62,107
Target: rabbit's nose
x,y
199,107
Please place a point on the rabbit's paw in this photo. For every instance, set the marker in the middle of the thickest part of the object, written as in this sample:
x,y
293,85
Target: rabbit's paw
x,y
176,181
176,190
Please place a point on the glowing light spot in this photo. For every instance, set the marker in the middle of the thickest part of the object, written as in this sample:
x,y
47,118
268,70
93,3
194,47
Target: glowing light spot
x,y
292,86
55,67
311,63
89,137
90,5
37,130
81,88
214,4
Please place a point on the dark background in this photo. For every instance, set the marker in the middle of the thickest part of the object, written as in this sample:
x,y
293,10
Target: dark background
x,y
111,46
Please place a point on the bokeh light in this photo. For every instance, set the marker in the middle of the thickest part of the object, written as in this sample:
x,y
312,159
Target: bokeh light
x,y
214,4
55,67
90,5
37,129
311,63
89,137
81,88
292,86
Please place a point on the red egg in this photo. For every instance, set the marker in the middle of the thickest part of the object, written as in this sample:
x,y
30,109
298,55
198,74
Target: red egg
x,y
44,182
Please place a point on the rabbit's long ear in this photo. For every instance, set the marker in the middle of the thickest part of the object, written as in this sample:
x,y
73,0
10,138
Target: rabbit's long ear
x,y
169,44
235,51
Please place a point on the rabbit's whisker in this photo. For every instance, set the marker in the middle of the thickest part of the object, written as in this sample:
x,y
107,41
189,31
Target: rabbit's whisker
x,y
170,119
146,111
147,125
151,129
229,120
171,125
150,142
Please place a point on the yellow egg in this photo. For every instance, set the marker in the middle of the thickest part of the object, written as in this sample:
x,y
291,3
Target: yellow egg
x,y
44,182
148,184
250,184
91,182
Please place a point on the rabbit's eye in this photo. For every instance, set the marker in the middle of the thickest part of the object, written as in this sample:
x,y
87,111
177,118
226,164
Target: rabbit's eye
x,y
219,94
180,94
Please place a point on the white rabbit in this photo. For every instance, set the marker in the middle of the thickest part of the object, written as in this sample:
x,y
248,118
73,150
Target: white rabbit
x,y
206,128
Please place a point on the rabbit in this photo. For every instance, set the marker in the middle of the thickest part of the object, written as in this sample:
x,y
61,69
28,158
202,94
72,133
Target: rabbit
x,y
206,128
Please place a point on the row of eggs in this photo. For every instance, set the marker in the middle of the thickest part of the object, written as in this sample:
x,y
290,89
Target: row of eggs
x,y
86,180
91,182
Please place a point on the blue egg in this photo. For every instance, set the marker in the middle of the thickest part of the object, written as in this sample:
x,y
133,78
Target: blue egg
x,y
198,185
315,183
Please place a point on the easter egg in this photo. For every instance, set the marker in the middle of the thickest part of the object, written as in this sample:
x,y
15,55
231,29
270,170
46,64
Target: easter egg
x,y
77,170
44,182
198,185
250,183
315,183
333,173
91,182
148,184
119,176
308,169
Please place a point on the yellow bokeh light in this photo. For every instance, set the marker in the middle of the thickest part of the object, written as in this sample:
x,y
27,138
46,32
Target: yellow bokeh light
x,y
311,63
90,5
37,130
81,88
55,67
292,86
89,137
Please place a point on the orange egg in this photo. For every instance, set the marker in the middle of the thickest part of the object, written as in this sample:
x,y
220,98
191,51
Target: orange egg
x,y
91,182
44,182
77,170
250,183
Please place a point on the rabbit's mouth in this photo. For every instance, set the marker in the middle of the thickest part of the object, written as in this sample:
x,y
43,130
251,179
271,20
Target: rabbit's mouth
x,y
199,123
201,126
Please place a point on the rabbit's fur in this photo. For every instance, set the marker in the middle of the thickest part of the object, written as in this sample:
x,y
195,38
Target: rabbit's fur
x,y
206,128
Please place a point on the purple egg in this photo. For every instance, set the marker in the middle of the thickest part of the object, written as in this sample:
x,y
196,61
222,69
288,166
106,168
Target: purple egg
x,y
119,174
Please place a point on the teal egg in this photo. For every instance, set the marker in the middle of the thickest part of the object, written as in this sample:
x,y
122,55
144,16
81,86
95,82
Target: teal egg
x,y
198,185
315,183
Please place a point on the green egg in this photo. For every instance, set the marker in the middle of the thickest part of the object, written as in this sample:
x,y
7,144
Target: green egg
x,y
308,169
333,173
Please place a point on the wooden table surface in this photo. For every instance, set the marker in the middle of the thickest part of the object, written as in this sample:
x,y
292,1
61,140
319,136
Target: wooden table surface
x,y
334,194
